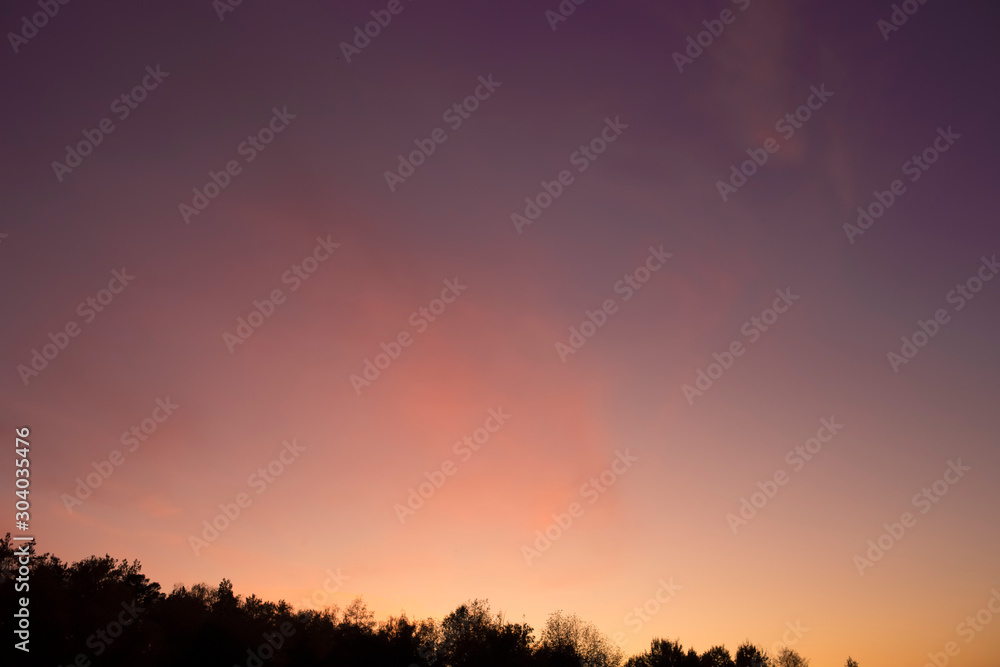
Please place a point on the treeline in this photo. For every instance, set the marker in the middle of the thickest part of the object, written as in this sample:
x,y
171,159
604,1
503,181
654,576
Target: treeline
x,y
105,612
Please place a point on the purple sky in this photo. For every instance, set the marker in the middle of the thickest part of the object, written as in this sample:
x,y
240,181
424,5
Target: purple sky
x,y
308,137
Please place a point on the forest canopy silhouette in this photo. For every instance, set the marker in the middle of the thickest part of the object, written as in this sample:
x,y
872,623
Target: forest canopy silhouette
x,y
103,611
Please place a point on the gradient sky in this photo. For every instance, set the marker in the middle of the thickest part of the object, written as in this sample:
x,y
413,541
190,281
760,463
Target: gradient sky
x,y
323,176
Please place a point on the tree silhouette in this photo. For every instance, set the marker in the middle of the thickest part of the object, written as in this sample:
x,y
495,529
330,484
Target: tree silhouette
x,y
749,655
474,637
789,658
717,656
105,612
566,637
665,653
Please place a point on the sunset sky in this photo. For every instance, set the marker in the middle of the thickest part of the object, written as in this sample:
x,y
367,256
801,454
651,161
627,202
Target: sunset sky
x,y
674,266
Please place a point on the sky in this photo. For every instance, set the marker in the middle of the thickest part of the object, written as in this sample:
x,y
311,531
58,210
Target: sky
x,y
561,311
